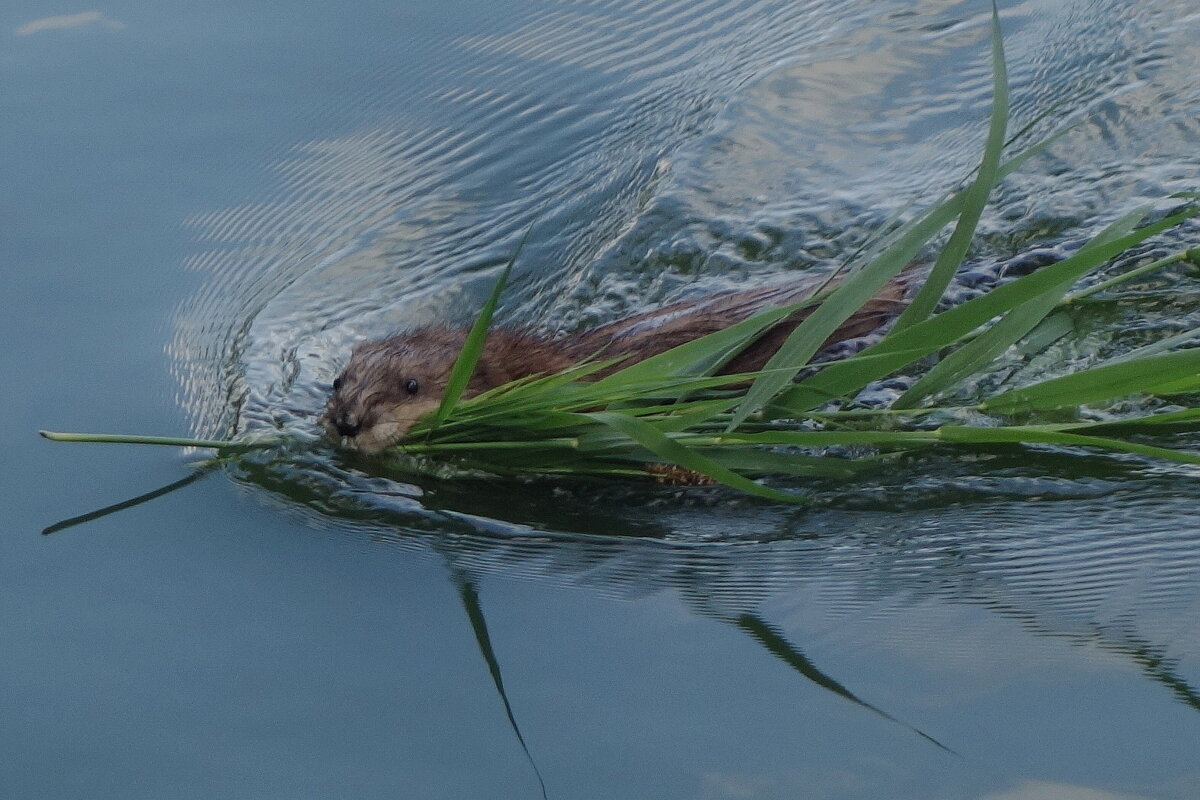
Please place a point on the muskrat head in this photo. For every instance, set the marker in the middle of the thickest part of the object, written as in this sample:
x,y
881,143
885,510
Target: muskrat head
x,y
388,385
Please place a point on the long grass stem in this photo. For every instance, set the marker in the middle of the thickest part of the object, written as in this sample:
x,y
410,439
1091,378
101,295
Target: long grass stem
x,y
1133,274
536,444
170,441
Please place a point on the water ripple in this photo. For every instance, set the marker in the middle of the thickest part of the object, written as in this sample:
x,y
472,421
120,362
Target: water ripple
x,y
668,149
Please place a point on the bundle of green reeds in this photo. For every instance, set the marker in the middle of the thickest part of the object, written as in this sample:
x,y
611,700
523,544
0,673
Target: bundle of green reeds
x,y
670,417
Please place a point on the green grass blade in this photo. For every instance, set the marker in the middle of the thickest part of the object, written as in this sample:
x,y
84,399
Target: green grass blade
x,y
1186,420
694,416
704,355
1133,274
472,349
757,461
973,357
976,354
857,289
905,245
961,436
169,441
950,206
1187,385
1048,331
1123,226
903,347
1105,382
534,385
975,196
1162,346
826,438
675,453
1033,435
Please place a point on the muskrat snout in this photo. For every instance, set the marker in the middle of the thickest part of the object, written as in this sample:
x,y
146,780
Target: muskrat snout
x,y
346,425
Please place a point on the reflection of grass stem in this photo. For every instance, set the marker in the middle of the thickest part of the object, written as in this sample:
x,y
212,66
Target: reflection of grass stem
x,y
470,600
780,647
1159,669
200,472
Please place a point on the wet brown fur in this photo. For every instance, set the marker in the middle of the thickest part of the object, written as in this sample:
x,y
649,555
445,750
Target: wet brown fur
x,y
371,400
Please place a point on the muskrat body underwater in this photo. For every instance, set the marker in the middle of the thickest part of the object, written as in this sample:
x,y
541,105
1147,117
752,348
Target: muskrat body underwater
x,y
390,383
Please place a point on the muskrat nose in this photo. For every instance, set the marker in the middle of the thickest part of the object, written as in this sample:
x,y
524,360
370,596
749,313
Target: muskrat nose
x,y
347,425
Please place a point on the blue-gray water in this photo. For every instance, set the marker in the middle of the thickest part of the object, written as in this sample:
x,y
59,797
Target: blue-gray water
x,y
204,205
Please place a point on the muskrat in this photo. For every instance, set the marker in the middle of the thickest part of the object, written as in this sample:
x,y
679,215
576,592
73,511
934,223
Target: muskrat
x,y
390,383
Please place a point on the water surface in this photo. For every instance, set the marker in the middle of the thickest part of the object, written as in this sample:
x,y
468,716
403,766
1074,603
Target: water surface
x,y
206,206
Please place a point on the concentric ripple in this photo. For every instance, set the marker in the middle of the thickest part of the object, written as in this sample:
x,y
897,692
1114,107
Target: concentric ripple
x,y
666,149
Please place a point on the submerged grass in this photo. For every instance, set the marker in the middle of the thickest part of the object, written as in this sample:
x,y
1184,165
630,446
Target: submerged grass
x,y
671,417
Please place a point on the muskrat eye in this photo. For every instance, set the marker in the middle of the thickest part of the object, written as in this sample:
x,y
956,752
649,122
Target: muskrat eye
x,y
337,384
411,386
